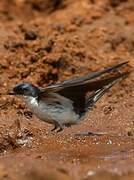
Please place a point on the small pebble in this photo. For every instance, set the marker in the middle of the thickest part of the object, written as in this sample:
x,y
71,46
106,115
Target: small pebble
x,y
30,35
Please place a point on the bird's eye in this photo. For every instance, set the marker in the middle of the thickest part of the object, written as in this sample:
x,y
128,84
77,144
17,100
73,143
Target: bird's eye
x,y
25,89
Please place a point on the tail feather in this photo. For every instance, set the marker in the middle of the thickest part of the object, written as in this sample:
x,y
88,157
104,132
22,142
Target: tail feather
x,y
91,100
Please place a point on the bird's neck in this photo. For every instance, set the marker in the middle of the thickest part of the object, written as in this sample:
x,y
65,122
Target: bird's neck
x,y
31,101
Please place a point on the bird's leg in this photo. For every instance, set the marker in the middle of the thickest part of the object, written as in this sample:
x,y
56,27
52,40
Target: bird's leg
x,y
60,127
67,125
55,127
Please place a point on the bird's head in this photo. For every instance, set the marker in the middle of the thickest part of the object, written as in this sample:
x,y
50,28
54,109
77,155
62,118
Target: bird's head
x,y
26,89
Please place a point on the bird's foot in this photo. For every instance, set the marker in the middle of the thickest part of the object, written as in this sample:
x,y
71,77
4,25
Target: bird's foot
x,y
55,127
60,129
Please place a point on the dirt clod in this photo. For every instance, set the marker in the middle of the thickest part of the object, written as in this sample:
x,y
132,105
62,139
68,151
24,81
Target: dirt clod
x,y
30,35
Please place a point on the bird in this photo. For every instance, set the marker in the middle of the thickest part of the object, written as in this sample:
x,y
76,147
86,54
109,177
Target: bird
x,y
67,103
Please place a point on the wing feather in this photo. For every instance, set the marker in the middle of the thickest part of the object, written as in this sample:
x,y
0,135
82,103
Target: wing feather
x,y
76,89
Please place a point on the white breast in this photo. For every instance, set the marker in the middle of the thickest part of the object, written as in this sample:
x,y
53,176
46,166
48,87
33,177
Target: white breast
x,y
49,113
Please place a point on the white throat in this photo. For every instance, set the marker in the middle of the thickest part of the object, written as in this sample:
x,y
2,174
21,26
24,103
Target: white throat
x,y
31,101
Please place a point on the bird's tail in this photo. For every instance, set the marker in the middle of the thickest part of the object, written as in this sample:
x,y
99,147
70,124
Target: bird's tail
x,y
92,99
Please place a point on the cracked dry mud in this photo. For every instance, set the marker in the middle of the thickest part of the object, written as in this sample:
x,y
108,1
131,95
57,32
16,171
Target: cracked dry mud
x,y
44,42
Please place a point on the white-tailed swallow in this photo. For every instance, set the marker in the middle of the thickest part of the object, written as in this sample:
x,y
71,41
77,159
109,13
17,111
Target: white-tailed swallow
x,y
65,104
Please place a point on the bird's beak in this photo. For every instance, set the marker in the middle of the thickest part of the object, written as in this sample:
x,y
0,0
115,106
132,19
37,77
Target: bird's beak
x,y
6,94
11,93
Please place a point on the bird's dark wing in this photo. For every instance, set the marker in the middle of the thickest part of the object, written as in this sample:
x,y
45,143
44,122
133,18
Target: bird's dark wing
x,y
82,80
77,89
77,94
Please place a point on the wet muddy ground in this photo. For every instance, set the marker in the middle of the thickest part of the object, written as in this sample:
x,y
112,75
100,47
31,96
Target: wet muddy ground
x,y
45,42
